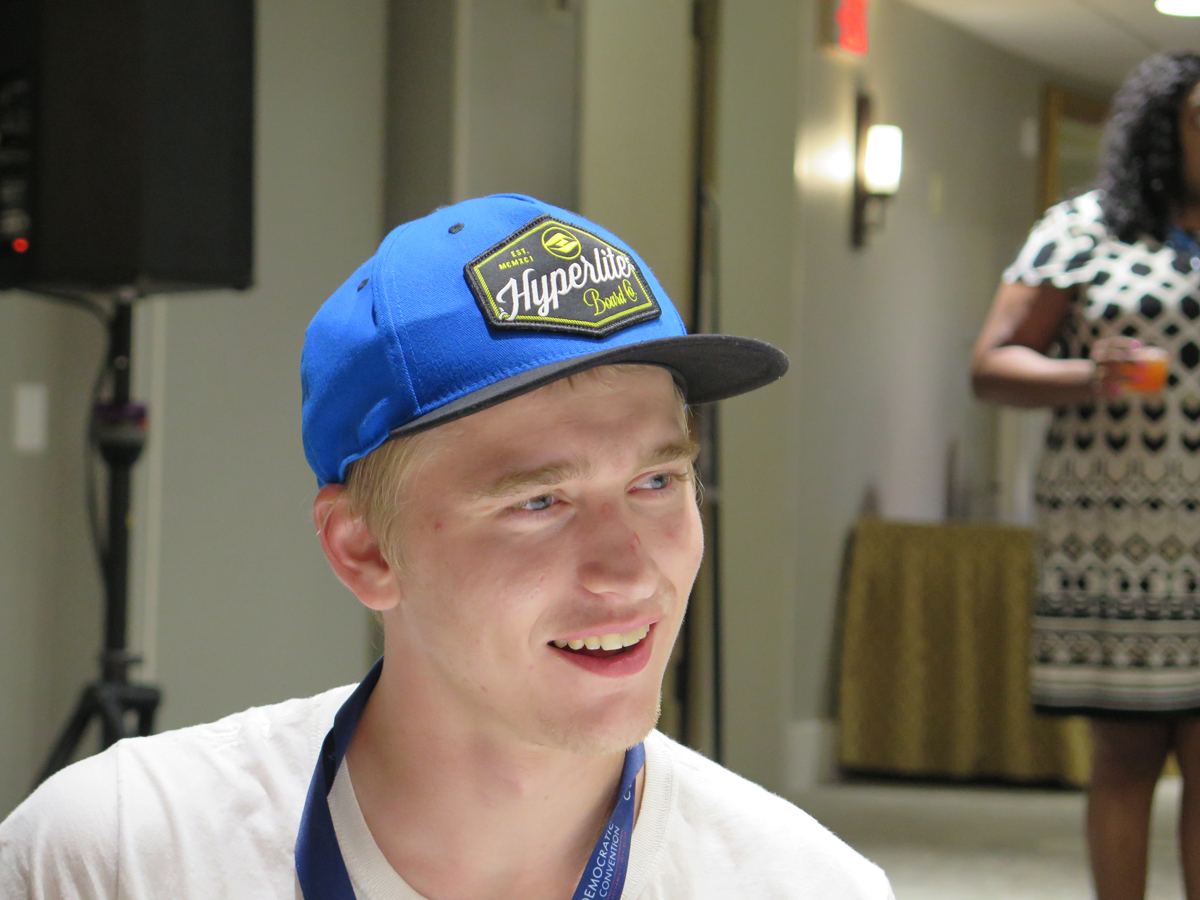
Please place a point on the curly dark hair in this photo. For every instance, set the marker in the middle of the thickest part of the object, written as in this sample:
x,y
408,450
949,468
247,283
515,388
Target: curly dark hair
x,y
1141,167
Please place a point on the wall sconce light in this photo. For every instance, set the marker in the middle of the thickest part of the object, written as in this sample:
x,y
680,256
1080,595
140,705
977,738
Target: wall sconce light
x,y
879,151
1178,7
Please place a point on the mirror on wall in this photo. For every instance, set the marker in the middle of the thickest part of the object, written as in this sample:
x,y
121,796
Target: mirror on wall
x,y
1072,127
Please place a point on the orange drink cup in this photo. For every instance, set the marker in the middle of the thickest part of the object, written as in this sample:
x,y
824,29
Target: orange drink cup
x,y
1148,373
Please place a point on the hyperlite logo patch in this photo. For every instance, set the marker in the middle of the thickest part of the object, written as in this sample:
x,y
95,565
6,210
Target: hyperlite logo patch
x,y
551,276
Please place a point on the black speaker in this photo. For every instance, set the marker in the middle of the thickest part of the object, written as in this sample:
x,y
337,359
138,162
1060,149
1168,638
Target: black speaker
x,y
126,144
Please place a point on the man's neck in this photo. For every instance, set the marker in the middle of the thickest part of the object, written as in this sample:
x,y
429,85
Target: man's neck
x,y
461,813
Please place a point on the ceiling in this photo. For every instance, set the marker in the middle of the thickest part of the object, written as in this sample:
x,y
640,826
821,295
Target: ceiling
x,y
1094,41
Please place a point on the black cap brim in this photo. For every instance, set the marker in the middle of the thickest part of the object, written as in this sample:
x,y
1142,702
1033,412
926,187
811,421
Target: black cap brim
x,y
711,366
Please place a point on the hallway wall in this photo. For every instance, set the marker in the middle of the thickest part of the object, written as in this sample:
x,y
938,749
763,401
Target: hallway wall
x,y
49,587
483,98
879,338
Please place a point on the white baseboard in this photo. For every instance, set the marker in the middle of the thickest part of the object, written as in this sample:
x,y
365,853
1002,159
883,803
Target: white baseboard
x,y
811,759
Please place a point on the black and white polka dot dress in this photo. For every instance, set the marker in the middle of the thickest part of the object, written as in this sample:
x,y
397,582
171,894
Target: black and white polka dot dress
x,y
1117,620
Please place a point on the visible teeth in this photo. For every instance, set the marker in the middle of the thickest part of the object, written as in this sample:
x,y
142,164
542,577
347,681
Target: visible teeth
x,y
630,638
607,641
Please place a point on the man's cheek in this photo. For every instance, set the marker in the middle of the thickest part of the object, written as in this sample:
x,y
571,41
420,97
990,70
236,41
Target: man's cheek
x,y
683,546
515,568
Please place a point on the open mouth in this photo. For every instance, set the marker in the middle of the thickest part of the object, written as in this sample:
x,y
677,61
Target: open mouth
x,y
605,646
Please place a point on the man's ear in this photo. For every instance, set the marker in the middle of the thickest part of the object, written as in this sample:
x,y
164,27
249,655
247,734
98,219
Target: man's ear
x,y
352,550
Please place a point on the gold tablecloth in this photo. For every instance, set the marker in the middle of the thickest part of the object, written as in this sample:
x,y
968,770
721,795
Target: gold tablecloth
x,y
935,661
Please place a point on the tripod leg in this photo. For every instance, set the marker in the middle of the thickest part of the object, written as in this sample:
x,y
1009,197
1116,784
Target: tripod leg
x,y
110,703
111,709
72,733
147,707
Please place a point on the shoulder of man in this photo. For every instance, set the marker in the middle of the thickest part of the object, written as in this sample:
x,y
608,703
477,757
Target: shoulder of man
x,y
160,809
773,848
61,842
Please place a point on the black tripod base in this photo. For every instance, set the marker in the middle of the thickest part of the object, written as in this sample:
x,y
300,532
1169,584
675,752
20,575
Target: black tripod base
x,y
111,703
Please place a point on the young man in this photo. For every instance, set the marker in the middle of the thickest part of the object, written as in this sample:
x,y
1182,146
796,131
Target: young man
x,y
494,408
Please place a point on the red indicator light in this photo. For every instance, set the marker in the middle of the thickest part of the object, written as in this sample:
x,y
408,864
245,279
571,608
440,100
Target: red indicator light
x,y
20,245
851,19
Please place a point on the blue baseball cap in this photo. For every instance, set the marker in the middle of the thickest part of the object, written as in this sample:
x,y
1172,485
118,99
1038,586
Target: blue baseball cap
x,y
484,300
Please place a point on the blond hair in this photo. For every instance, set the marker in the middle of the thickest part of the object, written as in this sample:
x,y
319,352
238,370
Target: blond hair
x,y
376,484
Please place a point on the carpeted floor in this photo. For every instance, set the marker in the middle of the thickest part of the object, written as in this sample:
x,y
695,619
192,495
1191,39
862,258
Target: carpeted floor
x,y
954,843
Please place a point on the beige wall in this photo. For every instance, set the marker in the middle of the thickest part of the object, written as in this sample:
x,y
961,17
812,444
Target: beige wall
x,y
483,99
49,589
757,112
419,142
879,338
246,609
636,139
517,83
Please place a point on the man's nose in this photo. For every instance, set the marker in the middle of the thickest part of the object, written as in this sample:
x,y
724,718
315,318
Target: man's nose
x,y
612,558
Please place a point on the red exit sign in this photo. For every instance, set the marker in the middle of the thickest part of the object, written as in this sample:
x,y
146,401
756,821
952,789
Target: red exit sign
x,y
845,25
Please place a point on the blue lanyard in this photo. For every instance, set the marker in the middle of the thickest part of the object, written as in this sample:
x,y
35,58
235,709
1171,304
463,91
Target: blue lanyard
x,y
1185,245
604,876
322,871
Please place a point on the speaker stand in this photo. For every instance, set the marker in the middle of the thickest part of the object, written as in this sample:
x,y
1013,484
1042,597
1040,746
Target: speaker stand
x,y
118,429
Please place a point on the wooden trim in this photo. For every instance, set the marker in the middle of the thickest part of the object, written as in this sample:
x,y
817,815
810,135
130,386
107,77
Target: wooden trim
x,y
858,219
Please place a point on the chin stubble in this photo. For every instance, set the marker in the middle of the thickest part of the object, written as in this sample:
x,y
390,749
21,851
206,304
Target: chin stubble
x,y
575,737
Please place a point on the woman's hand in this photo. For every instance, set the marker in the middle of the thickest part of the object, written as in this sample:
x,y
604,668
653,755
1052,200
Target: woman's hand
x,y
1110,356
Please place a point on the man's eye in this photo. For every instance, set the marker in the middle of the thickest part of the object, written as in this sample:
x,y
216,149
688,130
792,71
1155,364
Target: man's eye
x,y
537,504
658,482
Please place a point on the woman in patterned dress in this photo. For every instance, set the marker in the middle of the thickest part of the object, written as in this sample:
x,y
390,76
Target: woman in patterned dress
x,y
1103,278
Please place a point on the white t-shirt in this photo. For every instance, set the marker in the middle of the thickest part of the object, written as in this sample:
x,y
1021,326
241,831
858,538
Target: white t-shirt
x,y
212,811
